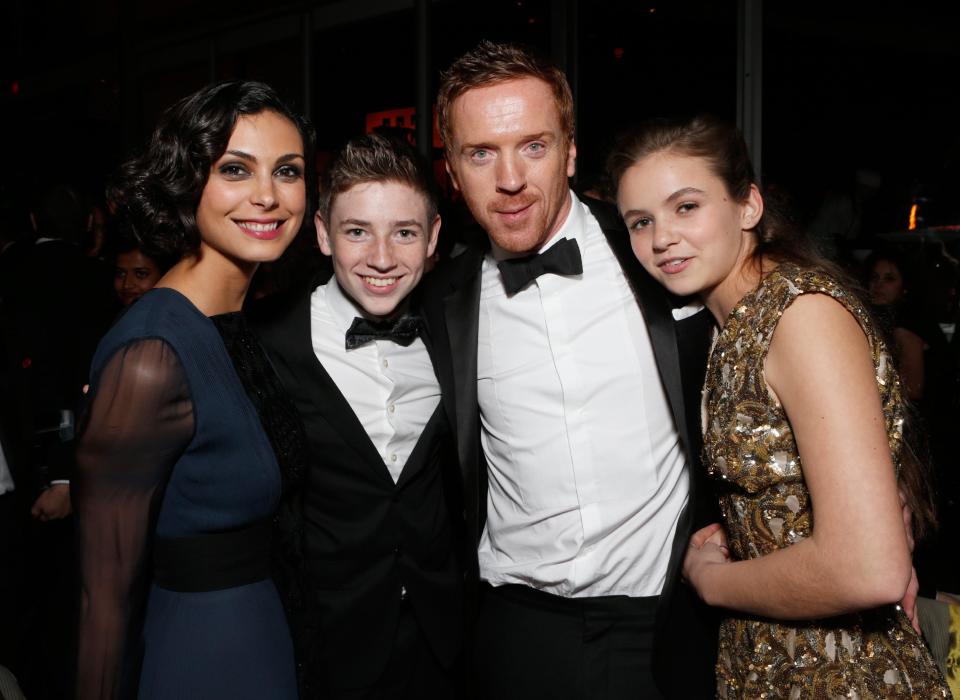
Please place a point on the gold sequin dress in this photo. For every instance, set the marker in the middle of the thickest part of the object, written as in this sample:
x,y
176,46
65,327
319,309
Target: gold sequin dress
x,y
749,447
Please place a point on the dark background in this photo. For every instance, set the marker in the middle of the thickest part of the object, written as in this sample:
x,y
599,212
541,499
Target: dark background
x,y
846,86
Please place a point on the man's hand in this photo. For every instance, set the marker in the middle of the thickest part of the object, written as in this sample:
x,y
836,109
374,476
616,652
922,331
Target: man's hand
x,y
713,533
52,504
698,562
708,545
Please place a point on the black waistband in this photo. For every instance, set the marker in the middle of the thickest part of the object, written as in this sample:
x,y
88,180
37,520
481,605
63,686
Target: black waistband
x,y
213,562
531,597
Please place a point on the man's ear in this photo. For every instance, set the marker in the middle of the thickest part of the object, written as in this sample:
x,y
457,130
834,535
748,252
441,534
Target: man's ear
x,y
323,236
434,236
452,174
571,159
751,210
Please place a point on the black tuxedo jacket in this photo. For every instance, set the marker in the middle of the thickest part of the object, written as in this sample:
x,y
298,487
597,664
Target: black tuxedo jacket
x,y
686,634
365,538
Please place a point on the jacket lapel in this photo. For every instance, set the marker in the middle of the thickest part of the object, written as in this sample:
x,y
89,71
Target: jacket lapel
x,y
290,341
461,309
451,303
428,440
655,306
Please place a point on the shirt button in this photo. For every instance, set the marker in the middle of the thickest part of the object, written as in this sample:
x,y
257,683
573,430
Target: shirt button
x,y
391,408
386,364
393,458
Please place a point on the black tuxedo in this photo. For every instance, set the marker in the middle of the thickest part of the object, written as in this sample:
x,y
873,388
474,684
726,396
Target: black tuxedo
x,y
365,538
686,640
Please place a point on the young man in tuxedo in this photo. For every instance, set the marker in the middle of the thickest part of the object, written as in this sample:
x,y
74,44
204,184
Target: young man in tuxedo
x,y
574,390
383,616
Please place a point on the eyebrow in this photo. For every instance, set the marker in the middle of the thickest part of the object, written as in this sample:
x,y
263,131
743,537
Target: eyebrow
x,y
405,222
684,192
523,139
672,198
285,158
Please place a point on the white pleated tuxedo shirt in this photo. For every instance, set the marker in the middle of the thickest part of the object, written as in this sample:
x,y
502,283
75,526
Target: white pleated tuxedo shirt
x,y
392,389
586,468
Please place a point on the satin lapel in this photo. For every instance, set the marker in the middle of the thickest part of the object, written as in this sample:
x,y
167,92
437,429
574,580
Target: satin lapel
x,y
427,339
429,440
461,308
311,384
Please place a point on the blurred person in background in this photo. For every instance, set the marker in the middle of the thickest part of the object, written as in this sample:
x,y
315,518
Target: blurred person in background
x,y
135,271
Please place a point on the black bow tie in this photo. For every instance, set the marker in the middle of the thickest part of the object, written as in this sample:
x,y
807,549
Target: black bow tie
x,y
562,258
402,331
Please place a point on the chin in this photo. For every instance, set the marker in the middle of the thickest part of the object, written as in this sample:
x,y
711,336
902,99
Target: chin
x,y
518,241
379,308
681,288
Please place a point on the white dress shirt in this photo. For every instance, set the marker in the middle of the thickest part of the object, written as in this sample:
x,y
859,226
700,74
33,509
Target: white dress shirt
x,y
6,478
392,389
586,468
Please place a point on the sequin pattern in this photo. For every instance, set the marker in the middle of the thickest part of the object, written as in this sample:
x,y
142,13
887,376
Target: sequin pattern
x,y
749,447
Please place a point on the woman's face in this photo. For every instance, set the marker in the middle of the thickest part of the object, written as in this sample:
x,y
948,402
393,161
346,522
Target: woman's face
x,y
134,275
886,283
685,228
253,203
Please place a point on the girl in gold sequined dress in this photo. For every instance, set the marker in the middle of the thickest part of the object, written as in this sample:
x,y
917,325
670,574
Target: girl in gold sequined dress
x,y
802,414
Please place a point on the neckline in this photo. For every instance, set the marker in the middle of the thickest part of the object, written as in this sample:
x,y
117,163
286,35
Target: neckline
x,y
764,281
185,300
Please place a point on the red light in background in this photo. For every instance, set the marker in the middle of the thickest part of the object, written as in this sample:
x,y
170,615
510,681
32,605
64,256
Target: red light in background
x,y
618,53
15,87
404,118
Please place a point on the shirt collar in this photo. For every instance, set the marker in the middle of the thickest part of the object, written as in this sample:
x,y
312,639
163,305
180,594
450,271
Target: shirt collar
x,y
343,309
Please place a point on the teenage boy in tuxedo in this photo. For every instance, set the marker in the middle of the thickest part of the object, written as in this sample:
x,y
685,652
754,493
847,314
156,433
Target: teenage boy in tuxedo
x,y
382,577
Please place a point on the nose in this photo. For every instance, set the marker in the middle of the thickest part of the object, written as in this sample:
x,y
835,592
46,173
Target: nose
x,y
264,193
511,174
664,236
381,256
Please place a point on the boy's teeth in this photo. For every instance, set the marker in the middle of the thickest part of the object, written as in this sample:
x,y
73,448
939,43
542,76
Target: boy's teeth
x,y
380,281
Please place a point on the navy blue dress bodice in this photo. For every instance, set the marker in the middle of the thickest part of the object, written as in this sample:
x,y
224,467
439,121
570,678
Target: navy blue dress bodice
x,y
172,447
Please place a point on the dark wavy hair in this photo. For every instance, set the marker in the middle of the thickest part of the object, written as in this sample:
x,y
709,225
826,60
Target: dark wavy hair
x,y
157,192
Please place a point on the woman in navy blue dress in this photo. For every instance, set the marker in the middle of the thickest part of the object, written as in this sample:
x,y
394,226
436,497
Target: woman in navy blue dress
x,y
177,477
